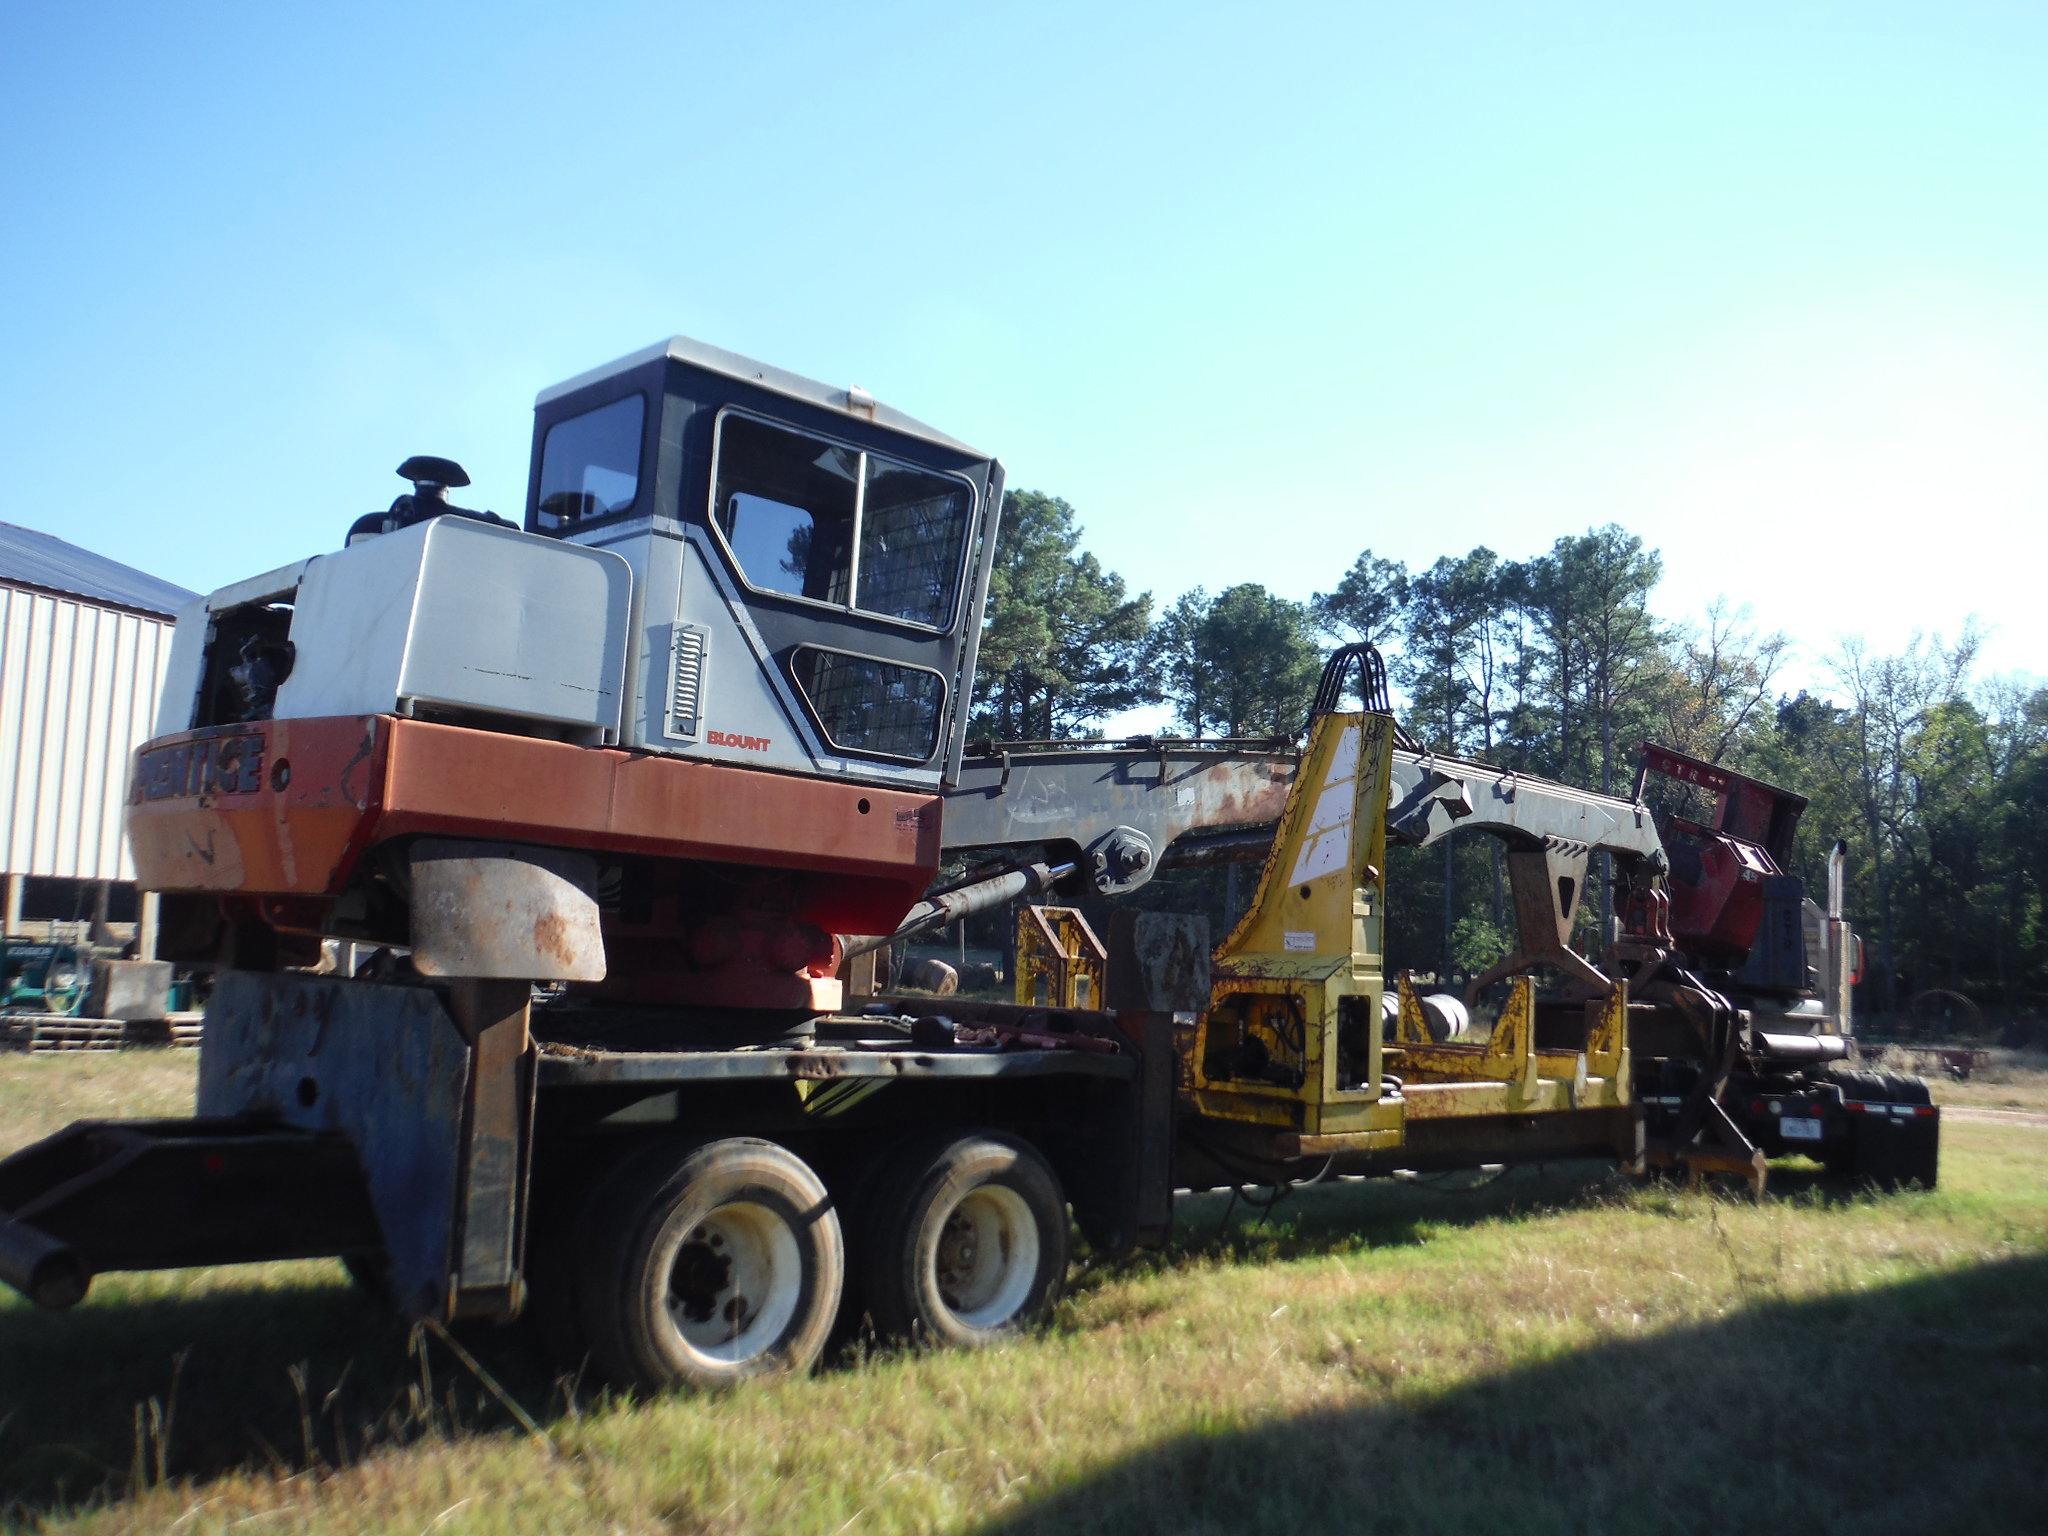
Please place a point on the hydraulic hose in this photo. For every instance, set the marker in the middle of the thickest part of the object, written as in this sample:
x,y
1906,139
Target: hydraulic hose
x,y
948,907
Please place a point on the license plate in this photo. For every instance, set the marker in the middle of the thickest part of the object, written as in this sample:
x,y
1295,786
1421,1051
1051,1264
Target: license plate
x,y
1799,1128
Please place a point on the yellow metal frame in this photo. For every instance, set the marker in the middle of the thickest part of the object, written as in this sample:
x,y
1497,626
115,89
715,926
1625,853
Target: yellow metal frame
x,y
1508,1073
1060,961
1293,1029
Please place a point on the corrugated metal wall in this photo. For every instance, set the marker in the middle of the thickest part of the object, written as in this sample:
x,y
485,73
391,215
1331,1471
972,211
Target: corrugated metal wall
x,y
78,688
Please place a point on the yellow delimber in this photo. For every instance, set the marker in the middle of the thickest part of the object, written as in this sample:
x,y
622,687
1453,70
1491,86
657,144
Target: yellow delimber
x,y
1291,1038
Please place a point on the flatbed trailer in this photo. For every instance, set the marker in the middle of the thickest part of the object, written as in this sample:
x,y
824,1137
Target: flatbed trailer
x,y
472,1151
619,798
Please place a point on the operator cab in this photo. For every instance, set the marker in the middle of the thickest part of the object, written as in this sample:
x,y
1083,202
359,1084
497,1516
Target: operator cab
x,y
719,560
809,565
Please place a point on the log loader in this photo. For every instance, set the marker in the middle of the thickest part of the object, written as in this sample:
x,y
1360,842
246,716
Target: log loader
x,y
620,799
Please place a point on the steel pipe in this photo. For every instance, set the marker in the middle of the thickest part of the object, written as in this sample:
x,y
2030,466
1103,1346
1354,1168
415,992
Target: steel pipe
x,y
48,1272
1803,1047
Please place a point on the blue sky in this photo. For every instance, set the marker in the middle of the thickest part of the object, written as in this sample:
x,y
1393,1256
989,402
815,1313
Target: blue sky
x,y
1254,289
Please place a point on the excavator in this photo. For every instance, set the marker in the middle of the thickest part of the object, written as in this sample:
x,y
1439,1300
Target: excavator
x,y
621,800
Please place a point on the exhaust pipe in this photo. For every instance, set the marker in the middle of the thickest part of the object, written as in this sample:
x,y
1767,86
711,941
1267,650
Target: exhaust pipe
x,y
48,1272
1802,1047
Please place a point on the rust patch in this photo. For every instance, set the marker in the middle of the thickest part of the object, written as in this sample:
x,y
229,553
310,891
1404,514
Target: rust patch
x,y
552,939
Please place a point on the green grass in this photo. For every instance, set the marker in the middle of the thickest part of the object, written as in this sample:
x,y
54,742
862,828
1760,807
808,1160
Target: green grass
x,y
42,1093
1554,1351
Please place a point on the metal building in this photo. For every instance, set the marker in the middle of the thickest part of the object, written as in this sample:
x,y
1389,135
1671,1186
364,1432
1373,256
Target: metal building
x,y
83,644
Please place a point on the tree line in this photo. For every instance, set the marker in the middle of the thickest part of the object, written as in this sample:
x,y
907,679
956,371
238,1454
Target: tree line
x,y
1559,665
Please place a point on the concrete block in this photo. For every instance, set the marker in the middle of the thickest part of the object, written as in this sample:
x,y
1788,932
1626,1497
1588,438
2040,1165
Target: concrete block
x,y
130,989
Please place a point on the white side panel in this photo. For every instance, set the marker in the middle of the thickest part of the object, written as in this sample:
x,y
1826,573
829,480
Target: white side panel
x,y
748,714
173,704
77,686
350,622
59,675
463,615
17,791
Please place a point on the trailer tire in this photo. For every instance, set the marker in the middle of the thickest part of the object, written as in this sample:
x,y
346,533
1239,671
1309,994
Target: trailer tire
x,y
1882,1151
966,1241
1858,1084
1904,1088
567,1214
709,1265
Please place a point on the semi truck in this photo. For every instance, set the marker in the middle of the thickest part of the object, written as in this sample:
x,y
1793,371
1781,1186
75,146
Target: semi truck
x,y
621,799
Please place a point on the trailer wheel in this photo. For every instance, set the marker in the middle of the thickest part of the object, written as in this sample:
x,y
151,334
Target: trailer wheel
x,y
1856,1083
1883,1150
967,1242
719,1264
1905,1088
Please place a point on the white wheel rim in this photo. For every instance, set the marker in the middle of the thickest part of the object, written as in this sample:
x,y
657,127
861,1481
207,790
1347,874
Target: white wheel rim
x,y
735,1283
986,1257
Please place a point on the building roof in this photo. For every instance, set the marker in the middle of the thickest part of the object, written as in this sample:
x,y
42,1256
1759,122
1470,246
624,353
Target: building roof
x,y
34,559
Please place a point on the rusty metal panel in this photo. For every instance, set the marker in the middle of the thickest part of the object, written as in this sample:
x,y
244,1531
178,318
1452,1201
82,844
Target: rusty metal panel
x,y
384,1066
863,855
880,846
497,1145
497,910
78,685
1124,802
278,806
579,1067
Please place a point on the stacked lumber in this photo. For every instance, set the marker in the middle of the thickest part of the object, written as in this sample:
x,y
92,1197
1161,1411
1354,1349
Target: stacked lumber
x,y
61,1032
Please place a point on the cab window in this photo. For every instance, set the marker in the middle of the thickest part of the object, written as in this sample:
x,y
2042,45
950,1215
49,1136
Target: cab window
x,y
912,529
876,708
590,465
818,520
786,505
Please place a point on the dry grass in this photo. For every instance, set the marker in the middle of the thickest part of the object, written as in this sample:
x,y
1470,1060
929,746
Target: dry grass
x,y
2010,1080
41,1093
1555,1351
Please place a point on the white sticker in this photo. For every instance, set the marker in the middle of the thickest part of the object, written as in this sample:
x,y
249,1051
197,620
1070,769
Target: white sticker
x,y
1326,840
1300,943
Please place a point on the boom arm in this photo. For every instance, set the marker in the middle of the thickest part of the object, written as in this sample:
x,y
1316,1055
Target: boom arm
x,y
1551,831
1120,809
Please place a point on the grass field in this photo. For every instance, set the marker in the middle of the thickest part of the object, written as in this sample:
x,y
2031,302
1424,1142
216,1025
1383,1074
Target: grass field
x,y
1554,1351
2010,1080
